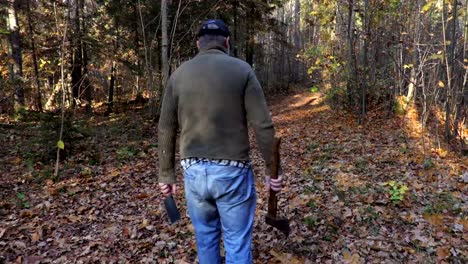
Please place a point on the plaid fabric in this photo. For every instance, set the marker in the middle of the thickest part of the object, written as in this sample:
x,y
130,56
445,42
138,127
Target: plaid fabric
x,y
186,163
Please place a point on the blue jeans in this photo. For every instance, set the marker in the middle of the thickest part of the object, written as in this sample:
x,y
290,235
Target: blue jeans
x,y
221,197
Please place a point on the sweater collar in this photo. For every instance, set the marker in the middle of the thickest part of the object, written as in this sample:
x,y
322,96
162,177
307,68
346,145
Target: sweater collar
x,y
213,47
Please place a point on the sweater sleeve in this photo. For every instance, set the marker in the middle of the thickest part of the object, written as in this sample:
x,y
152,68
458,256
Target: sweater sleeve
x,y
167,131
259,117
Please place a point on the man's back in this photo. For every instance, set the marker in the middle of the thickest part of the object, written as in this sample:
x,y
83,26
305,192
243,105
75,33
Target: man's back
x,y
210,91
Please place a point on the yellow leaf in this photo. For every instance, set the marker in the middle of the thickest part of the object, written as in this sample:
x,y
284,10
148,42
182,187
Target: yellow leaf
x,y
114,173
74,218
347,256
441,84
16,161
426,7
351,259
60,144
144,224
285,258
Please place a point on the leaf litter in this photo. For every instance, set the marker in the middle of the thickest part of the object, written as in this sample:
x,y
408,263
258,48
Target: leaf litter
x,y
335,196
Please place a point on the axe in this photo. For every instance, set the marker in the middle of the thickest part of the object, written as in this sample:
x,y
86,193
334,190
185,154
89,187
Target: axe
x,y
282,224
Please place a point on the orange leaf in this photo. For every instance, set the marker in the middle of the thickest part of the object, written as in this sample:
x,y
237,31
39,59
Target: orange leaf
x,y
35,237
126,232
351,259
443,253
436,220
142,196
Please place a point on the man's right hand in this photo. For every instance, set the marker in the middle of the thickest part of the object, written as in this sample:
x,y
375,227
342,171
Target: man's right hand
x,y
167,189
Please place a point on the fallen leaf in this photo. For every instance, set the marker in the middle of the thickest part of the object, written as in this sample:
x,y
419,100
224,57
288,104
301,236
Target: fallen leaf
x,y
351,258
142,196
32,260
125,232
74,218
81,209
285,258
49,182
436,220
35,237
143,224
443,252
16,161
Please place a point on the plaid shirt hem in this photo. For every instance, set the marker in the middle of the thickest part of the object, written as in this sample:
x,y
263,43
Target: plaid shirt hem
x,y
186,163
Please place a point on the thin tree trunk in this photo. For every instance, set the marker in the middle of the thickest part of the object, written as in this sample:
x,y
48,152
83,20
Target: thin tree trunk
x,y
76,51
38,97
297,38
62,81
413,82
250,41
453,43
87,85
16,64
110,98
138,92
365,62
235,39
448,88
352,81
165,43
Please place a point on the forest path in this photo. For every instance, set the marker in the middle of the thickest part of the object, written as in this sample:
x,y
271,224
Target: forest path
x,y
106,205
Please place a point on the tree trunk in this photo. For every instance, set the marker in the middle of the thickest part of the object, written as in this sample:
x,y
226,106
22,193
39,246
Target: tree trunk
x,y
110,96
415,58
365,62
250,40
448,68
138,92
235,39
165,44
454,93
88,88
16,64
297,38
352,80
38,97
76,51
110,99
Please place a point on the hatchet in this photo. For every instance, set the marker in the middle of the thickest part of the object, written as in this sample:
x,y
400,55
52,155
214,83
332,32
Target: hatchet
x,y
282,224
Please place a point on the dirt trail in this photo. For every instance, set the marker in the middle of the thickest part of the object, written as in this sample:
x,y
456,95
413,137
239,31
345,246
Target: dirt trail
x,y
106,206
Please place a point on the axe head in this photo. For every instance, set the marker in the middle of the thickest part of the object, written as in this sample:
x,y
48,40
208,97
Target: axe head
x,y
280,224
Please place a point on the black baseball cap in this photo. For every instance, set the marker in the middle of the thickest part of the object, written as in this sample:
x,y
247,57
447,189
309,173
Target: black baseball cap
x,y
214,27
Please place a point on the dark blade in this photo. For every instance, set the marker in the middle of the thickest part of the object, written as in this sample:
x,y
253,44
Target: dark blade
x,y
280,224
171,209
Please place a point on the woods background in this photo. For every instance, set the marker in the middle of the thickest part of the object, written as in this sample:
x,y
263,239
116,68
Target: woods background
x,y
370,98
364,55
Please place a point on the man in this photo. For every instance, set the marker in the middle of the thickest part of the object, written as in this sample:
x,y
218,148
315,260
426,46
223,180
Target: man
x,y
211,98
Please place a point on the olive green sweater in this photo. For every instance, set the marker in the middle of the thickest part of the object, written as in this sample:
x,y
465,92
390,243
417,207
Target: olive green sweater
x,y
211,98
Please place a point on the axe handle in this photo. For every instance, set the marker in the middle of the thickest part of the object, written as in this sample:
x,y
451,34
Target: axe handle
x,y
275,164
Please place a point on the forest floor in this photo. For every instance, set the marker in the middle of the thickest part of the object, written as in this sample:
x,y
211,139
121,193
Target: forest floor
x,y
354,194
